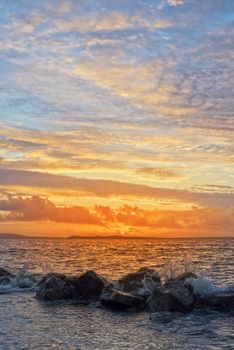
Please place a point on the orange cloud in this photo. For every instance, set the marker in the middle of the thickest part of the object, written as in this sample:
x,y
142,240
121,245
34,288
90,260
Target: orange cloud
x,y
37,208
129,219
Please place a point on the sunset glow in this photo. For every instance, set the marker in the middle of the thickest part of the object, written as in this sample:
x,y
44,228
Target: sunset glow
x,y
116,118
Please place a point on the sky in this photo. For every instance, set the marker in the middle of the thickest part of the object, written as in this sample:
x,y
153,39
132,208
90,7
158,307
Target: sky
x,y
116,117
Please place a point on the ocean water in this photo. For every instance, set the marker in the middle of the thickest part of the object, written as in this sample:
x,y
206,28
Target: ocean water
x,y
26,323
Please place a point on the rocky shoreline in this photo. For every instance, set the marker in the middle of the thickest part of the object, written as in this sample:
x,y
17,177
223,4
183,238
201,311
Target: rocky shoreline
x,y
136,291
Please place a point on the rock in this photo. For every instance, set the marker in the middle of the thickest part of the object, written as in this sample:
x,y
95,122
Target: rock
x,y
5,276
139,283
25,281
119,300
48,276
222,301
4,273
88,286
174,298
181,278
54,288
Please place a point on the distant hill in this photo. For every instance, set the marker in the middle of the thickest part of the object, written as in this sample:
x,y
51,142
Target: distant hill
x,y
12,236
4,235
18,236
95,237
123,237
110,237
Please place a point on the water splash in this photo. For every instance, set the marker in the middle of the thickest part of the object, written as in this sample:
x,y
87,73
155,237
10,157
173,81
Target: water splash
x,y
203,287
173,268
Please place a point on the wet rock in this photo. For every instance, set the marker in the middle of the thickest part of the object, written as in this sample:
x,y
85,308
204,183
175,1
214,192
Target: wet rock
x,y
223,301
48,276
88,286
139,283
5,276
26,281
174,298
182,278
118,300
54,288
4,272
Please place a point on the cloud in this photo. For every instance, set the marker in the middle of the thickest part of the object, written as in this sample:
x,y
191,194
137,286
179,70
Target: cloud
x,y
109,188
98,89
176,2
37,208
162,173
123,219
135,83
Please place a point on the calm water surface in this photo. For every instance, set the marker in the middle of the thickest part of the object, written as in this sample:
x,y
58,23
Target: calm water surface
x,y
26,323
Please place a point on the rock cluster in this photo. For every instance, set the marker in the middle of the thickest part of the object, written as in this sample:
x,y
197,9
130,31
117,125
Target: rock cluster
x,y
135,291
128,293
87,286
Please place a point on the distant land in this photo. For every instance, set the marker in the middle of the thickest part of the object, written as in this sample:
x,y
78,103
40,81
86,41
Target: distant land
x,y
106,237
19,236
4,235
144,237
11,235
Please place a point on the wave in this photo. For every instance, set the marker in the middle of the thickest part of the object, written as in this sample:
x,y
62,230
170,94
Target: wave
x,y
19,283
203,287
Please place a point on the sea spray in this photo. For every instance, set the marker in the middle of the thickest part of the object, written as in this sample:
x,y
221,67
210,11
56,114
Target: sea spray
x,y
173,268
204,287
23,281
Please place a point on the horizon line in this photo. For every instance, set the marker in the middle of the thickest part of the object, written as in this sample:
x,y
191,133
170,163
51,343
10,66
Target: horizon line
x,y
25,236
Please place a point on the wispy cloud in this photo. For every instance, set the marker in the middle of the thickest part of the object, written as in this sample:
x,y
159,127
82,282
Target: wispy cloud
x,y
163,173
176,2
108,188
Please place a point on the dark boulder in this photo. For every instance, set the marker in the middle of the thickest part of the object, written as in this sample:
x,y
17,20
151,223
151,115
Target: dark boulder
x,y
181,278
223,301
88,285
184,279
26,281
5,275
118,300
54,288
139,283
49,275
174,298
4,272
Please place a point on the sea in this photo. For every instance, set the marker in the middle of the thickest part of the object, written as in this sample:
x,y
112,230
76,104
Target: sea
x,y
26,323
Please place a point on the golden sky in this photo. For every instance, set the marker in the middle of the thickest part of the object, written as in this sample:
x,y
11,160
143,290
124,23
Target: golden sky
x,y
116,117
